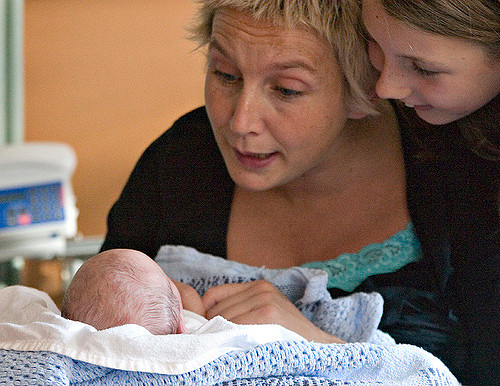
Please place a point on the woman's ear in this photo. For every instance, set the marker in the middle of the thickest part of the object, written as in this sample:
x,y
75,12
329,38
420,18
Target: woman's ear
x,y
356,114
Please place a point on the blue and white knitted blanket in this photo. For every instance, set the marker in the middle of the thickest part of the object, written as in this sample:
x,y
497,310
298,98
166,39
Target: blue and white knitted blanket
x,y
353,318
38,347
278,363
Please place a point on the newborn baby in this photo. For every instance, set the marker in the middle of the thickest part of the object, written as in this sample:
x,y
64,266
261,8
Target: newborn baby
x,y
124,286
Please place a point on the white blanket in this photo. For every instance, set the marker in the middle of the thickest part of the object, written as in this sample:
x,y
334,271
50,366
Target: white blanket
x,y
30,321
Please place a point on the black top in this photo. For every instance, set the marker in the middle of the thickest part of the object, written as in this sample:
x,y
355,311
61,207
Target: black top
x,y
180,193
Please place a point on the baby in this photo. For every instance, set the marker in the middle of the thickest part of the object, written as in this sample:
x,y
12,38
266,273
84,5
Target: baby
x,y
124,286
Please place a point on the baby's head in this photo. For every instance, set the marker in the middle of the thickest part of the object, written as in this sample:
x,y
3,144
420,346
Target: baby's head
x,y
123,286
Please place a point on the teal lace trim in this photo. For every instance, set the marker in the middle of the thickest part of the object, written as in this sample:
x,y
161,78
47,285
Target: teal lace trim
x,y
349,270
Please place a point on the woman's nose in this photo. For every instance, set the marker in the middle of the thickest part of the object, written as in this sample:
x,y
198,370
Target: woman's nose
x,y
392,84
247,117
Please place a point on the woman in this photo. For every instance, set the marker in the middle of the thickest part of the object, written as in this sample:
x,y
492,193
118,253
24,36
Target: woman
x,y
287,165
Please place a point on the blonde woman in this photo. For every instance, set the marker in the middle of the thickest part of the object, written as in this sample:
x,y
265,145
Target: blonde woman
x,y
290,163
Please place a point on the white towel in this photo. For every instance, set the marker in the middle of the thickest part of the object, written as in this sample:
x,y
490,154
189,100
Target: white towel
x,y
30,321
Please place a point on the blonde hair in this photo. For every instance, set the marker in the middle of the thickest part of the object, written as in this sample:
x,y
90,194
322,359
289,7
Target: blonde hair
x,y
339,21
477,21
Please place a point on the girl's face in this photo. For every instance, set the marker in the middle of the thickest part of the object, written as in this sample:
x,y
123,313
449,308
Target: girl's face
x,y
442,78
275,100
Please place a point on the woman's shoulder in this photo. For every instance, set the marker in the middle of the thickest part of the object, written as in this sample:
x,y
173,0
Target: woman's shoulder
x,y
192,129
189,143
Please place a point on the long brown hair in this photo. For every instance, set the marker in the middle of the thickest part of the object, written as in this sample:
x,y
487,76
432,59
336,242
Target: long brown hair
x,y
477,21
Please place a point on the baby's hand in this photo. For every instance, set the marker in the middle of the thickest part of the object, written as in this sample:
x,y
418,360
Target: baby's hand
x,y
191,301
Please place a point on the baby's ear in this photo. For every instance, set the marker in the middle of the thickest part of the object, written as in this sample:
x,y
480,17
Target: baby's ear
x,y
182,327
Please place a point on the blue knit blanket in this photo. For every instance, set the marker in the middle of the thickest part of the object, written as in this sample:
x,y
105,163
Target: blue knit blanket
x,y
278,363
371,358
353,318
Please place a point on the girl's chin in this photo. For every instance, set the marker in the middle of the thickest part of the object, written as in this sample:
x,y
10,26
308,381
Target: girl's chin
x,y
435,117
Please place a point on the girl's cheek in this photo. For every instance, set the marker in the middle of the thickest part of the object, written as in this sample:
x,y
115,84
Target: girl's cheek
x,y
376,55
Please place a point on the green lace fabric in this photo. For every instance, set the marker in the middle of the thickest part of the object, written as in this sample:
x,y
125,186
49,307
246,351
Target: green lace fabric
x,y
349,270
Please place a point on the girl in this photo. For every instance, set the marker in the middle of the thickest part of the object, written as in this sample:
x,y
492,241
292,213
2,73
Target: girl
x,y
435,57
439,61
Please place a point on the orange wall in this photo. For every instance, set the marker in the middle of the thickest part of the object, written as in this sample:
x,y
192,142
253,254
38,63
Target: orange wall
x,y
107,77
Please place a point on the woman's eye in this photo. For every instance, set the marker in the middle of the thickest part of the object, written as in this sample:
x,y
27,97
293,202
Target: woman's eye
x,y
423,71
225,76
287,92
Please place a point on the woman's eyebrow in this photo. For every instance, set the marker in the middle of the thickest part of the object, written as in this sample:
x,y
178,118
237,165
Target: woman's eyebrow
x,y
293,64
214,45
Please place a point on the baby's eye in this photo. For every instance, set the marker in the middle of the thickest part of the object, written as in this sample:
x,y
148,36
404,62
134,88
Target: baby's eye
x,y
423,71
225,76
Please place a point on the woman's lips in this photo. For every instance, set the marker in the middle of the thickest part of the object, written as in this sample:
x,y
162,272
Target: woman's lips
x,y
422,107
255,160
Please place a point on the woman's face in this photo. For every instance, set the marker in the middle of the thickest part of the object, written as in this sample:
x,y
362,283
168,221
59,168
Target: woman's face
x,y
275,101
442,78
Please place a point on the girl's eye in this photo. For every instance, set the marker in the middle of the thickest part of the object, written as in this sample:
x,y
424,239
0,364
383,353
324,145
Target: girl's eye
x,y
225,76
423,71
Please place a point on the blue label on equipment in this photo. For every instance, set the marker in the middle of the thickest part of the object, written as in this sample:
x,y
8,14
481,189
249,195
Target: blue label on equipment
x,y
31,205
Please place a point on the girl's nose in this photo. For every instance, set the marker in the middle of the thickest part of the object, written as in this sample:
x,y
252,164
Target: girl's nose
x,y
392,85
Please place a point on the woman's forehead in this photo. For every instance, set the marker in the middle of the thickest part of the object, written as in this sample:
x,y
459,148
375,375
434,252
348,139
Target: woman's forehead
x,y
246,20
234,30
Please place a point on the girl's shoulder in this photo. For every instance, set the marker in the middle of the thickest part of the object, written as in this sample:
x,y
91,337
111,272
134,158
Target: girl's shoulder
x,y
478,133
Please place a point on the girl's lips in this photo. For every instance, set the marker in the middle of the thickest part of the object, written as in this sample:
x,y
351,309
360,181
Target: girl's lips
x,y
255,160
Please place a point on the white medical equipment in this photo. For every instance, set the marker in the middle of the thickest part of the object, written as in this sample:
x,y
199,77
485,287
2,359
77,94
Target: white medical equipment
x,y
37,204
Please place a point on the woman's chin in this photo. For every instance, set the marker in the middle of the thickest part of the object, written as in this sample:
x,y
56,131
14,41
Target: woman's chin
x,y
257,179
253,182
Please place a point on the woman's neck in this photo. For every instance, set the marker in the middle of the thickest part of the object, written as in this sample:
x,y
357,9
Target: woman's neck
x,y
360,147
